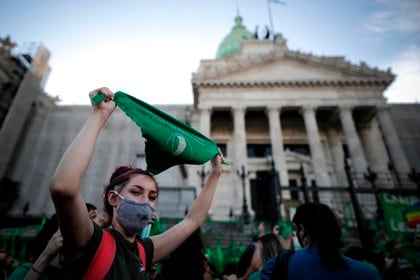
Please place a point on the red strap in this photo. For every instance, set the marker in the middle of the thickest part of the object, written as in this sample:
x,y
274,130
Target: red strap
x,y
103,258
142,254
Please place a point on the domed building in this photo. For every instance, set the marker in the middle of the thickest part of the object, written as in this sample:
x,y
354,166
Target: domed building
x,y
292,119
287,121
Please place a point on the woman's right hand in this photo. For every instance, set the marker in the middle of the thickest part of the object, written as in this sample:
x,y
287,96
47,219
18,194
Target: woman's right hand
x,y
106,106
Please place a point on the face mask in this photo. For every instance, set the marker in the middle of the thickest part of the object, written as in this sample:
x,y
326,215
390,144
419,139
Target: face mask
x,y
132,215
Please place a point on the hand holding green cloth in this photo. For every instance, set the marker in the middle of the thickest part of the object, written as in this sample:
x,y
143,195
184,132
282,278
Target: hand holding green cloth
x,y
169,141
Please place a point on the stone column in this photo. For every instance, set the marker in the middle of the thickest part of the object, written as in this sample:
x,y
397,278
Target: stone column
x,y
317,153
240,152
276,137
376,155
205,117
354,145
239,137
337,154
392,141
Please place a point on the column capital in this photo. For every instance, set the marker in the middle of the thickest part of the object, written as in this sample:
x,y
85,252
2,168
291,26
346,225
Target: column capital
x,y
203,109
271,108
345,107
308,108
238,108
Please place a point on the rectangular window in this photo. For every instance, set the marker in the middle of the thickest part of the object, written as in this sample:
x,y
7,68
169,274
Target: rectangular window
x,y
223,149
298,148
259,150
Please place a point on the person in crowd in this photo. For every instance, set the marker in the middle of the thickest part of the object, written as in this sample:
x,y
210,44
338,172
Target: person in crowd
x,y
266,247
357,253
99,217
188,261
396,266
45,259
129,199
246,257
285,233
319,233
6,264
44,251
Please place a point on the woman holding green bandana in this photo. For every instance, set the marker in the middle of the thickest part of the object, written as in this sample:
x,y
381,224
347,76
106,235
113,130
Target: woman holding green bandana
x,y
130,199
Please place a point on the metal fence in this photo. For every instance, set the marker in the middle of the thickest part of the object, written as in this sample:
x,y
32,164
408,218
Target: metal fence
x,y
358,203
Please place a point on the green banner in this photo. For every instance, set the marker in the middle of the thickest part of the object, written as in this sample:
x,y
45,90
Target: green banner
x,y
398,221
169,141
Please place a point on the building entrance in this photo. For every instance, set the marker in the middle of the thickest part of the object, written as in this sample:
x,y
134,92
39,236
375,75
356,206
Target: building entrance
x,y
263,197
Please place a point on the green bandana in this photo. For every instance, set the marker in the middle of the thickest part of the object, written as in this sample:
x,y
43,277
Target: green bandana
x,y
169,141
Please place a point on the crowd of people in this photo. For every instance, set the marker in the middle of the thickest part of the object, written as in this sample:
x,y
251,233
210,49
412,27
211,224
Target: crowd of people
x,y
80,242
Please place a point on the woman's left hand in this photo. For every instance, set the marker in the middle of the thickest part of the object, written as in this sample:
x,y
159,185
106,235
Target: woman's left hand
x,y
216,163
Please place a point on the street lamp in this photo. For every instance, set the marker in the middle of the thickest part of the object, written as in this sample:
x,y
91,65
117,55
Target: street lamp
x,y
202,173
242,174
372,177
415,177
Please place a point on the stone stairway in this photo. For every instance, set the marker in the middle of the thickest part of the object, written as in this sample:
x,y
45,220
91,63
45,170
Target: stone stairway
x,y
221,232
224,233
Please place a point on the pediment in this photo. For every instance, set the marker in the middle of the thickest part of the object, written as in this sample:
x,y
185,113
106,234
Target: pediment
x,y
266,62
285,70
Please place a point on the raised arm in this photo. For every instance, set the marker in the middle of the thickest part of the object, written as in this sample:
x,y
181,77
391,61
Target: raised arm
x,y
168,241
75,224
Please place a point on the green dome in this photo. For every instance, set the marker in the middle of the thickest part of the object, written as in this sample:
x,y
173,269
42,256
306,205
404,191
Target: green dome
x,y
231,44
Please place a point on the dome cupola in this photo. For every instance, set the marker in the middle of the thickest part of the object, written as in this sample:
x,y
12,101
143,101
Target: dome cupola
x,y
231,44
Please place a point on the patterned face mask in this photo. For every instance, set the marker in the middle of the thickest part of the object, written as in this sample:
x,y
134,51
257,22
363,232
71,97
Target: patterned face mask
x,y
133,216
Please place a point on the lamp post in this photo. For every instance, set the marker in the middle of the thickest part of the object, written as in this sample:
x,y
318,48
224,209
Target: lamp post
x,y
415,177
394,174
372,177
274,179
361,226
242,174
202,173
304,183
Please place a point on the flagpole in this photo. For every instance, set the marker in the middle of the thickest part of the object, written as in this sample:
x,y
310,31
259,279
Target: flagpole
x,y
270,18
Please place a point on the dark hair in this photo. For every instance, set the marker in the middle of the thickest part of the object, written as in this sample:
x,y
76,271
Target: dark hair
x,y
323,228
271,246
90,206
119,179
245,260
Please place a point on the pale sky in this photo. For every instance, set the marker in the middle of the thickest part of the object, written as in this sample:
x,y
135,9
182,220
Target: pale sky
x,y
150,49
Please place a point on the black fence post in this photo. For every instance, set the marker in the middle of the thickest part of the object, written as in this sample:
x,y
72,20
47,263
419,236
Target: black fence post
x,y
361,226
415,177
304,183
394,174
245,214
274,178
372,177
314,189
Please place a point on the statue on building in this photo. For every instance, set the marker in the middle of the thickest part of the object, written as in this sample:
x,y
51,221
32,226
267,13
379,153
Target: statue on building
x,y
6,45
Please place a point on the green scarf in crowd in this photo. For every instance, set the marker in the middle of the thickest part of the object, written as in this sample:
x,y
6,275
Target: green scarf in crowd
x,y
169,141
